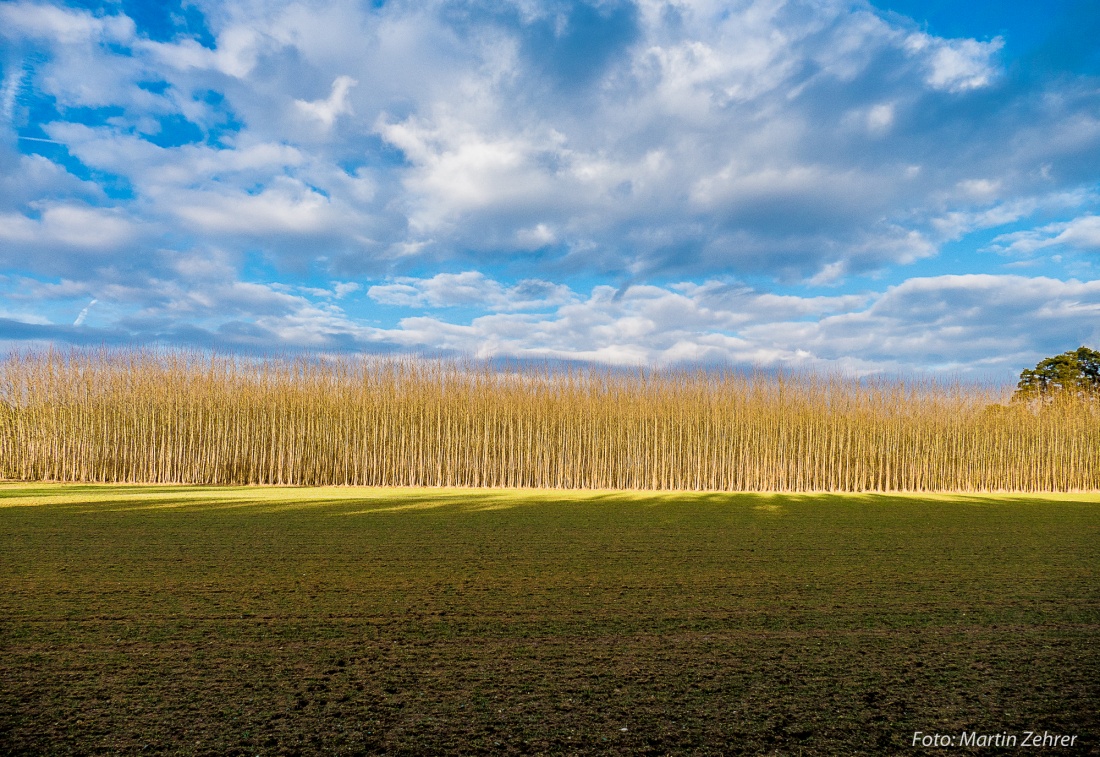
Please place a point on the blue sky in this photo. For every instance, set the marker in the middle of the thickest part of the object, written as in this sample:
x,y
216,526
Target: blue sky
x,y
893,187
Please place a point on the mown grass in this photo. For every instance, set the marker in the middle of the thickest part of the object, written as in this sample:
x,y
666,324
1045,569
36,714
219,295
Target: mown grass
x,y
196,620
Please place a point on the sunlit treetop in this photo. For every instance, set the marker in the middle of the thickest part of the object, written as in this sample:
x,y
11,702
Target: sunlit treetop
x,y
1076,373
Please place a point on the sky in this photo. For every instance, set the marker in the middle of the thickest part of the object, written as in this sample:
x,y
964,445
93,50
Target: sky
x,y
891,188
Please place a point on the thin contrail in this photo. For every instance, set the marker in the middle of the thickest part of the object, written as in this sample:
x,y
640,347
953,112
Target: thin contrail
x,y
84,314
40,139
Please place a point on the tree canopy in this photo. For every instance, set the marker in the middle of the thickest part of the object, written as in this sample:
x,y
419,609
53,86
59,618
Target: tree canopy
x,y
1073,373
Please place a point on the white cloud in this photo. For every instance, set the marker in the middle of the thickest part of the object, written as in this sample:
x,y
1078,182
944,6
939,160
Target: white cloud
x,y
334,105
956,65
718,111
957,325
459,170
341,289
811,142
235,54
1081,233
981,190
8,92
695,134
84,313
287,206
256,190
968,326
533,238
65,26
27,179
470,289
69,226
880,118
186,167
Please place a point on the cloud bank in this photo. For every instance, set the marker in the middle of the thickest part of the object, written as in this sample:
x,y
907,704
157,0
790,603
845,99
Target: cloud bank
x,y
773,182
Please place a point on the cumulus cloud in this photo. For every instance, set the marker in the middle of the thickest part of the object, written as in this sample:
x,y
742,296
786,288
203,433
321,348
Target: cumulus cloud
x,y
966,323
956,65
1081,233
702,139
235,53
325,111
971,325
62,25
67,226
655,151
979,326
288,206
470,289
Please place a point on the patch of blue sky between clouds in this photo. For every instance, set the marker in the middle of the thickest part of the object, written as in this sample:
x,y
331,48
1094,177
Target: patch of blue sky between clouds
x,y
1057,35
777,183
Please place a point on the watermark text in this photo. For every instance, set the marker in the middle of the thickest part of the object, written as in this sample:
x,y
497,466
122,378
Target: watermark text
x,y
1033,739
